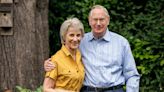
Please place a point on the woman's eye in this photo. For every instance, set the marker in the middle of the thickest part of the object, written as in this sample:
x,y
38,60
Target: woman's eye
x,y
71,35
78,35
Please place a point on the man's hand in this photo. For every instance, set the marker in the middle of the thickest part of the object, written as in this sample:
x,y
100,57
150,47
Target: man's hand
x,y
48,65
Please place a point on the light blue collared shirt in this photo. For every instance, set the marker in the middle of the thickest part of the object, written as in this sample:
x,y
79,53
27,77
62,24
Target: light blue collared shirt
x,y
108,61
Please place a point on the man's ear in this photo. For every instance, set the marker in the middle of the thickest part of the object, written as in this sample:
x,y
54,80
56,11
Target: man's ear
x,y
108,19
89,20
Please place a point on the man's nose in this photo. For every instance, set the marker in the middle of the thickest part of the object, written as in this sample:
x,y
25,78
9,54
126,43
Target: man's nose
x,y
98,22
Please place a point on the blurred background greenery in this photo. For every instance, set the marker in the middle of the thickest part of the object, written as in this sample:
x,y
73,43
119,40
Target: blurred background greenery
x,y
140,21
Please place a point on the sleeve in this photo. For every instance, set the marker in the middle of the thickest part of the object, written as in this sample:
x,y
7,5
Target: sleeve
x,y
53,73
130,72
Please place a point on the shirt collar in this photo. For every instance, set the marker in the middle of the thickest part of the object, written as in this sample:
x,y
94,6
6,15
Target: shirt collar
x,y
106,37
65,50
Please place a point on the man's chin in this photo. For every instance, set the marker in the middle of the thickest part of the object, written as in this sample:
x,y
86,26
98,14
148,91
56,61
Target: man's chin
x,y
98,31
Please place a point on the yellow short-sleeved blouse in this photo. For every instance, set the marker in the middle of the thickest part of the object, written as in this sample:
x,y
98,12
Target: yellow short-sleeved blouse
x,y
68,74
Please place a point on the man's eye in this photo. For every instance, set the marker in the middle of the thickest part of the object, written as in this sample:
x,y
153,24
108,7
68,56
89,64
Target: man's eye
x,y
95,19
101,19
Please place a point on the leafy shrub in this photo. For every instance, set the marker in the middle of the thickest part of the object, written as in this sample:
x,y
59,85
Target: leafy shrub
x,y
21,89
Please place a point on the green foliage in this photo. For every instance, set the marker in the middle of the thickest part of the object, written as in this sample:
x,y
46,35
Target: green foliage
x,y
21,89
140,21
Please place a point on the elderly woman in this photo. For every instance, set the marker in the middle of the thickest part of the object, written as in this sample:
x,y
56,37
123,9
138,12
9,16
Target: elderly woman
x,y
68,74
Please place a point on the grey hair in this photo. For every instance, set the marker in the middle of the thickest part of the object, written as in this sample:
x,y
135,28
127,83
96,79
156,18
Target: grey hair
x,y
71,22
99,7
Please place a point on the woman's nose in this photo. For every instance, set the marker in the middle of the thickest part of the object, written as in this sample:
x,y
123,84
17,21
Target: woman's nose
x,y
75,38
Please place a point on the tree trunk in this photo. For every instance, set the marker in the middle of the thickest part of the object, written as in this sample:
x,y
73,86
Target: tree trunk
x,y
22,53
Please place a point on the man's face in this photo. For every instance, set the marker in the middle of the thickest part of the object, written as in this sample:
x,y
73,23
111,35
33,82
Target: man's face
x,y
98,20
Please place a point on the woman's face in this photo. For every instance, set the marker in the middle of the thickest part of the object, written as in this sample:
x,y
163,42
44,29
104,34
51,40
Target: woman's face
x,y
73,38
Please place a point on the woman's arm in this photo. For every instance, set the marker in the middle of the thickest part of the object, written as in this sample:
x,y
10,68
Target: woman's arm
x,y
48,85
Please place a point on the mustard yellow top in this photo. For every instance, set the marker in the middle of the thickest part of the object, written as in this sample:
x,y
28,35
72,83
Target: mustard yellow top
x,y
68,74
